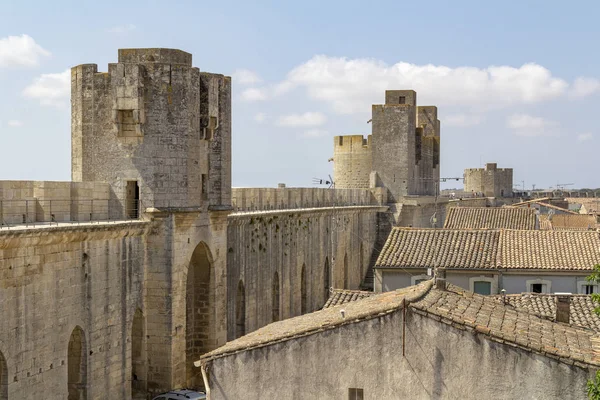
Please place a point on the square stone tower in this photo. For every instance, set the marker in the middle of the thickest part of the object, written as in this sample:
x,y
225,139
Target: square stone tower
x,y
155,128
405,146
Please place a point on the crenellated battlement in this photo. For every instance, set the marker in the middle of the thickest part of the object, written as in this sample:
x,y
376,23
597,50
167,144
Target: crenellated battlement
x,y
351,143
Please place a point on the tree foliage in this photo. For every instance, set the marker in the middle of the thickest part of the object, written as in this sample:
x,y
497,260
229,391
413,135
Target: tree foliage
x,y
593,385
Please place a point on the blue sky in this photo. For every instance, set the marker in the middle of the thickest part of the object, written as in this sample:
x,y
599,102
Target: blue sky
x,y
515,82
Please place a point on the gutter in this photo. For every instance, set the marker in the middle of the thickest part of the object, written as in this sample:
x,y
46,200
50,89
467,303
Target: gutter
x,y
205,379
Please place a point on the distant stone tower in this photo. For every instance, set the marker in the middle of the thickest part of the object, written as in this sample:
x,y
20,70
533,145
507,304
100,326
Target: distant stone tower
x,y
491,181
155,128
403,150
352,161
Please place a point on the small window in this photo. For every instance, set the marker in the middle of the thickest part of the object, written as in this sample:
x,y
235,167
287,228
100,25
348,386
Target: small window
x,y
340,141
584,287
482,287
355,394
539,286
126,123
402,100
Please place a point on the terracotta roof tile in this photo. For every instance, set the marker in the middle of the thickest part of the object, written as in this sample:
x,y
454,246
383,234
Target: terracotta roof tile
x,y
490,249
483,315
581,312
325,319
568,222
506,324
490,218
550,250
419,248
343,296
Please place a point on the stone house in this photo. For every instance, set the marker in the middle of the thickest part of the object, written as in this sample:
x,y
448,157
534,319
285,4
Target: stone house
x,y
487,261
419,342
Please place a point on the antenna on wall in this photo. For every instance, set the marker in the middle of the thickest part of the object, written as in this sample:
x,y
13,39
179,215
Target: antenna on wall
x,y
329,182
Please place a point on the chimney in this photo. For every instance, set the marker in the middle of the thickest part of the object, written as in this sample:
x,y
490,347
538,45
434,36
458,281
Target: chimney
x,y
563,308
440,279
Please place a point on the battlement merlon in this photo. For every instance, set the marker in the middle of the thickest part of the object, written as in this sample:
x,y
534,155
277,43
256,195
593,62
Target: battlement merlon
x,y
351,143
155,56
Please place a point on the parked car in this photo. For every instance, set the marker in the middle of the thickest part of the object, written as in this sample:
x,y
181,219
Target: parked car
x,y
181,394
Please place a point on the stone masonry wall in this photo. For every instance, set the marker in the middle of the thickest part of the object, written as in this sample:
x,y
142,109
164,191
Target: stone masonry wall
x,y
43,201
154,119
352,161
491,181
264,243
51,283
253,199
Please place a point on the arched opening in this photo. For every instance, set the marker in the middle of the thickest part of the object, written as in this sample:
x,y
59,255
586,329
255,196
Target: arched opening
x,y
138,356
77,366
326,281
303,297
275,297
346,271
240,311
3,378
198,309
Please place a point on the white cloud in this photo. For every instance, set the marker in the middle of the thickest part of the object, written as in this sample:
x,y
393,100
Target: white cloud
x,y
583,87
254,94
51,89
246,77
352,85
122,28
583,137
462,120
527,125
260,117
306,119
314,133
20,51
14,123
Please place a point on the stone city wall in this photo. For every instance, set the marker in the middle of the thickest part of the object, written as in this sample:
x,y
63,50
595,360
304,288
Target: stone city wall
x,y
255,199
352,161
286,261
44,201
67,306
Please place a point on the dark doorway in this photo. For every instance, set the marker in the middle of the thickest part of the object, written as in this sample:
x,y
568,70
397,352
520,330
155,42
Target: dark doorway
x,y
133,200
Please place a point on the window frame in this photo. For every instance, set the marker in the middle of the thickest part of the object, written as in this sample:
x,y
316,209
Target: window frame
x,y
492,280
415,278
581,284
530,282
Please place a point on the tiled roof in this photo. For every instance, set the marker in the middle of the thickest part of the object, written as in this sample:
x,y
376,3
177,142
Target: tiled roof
x,y
420,248
550,250
481,315
581,310
568,222
322,320
526,204
505,324
592,205
530,201
342,296
490,249
490,218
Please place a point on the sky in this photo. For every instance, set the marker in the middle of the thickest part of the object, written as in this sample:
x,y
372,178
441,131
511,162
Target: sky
x,y
515,82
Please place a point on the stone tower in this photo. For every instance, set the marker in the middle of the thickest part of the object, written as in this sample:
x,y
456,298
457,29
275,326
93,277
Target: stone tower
x,y
353,161
155,128
491,180
402,154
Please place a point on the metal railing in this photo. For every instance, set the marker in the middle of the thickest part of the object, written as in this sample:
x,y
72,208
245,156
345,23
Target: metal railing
x,y
31,212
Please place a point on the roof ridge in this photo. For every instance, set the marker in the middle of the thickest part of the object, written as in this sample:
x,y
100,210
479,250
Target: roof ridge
x,y
261,337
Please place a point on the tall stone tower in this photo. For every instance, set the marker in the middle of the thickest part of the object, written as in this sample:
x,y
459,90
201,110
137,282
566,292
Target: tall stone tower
x,y
402,154
155,128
